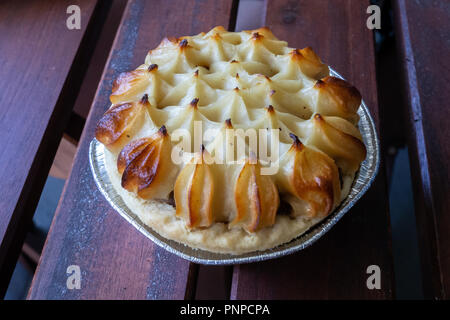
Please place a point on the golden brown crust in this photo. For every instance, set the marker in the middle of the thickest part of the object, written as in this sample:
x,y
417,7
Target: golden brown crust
x,y
264,31
117,124
346,149
309,62
130,84
338,98
313,177
130,152
193,193
256,199
166,42
144,164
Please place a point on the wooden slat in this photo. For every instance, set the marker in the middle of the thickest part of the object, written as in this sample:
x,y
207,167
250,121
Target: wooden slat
x,y
38,83
98,60
335,266
117,261
424,45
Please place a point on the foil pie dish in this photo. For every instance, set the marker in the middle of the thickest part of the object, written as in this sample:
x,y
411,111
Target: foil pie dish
x,y
363,179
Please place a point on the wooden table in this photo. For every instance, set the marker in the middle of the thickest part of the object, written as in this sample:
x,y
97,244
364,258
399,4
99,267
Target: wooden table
x,y
41,67
116,261
424,46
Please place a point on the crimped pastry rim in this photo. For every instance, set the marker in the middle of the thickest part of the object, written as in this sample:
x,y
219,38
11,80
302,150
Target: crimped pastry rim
x,y
363,179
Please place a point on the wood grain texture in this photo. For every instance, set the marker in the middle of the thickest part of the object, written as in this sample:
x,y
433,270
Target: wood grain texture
x,y
116,261
100,55
335,266
37,83
424,45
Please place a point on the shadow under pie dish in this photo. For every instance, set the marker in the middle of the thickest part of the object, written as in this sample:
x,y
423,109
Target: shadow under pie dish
x,y
229,81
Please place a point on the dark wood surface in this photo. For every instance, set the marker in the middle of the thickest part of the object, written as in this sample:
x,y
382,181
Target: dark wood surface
x,y
37,52
335,266
116,261
424,45
100,55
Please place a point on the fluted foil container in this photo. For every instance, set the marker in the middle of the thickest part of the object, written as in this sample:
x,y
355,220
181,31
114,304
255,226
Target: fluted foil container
x,y
362,182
